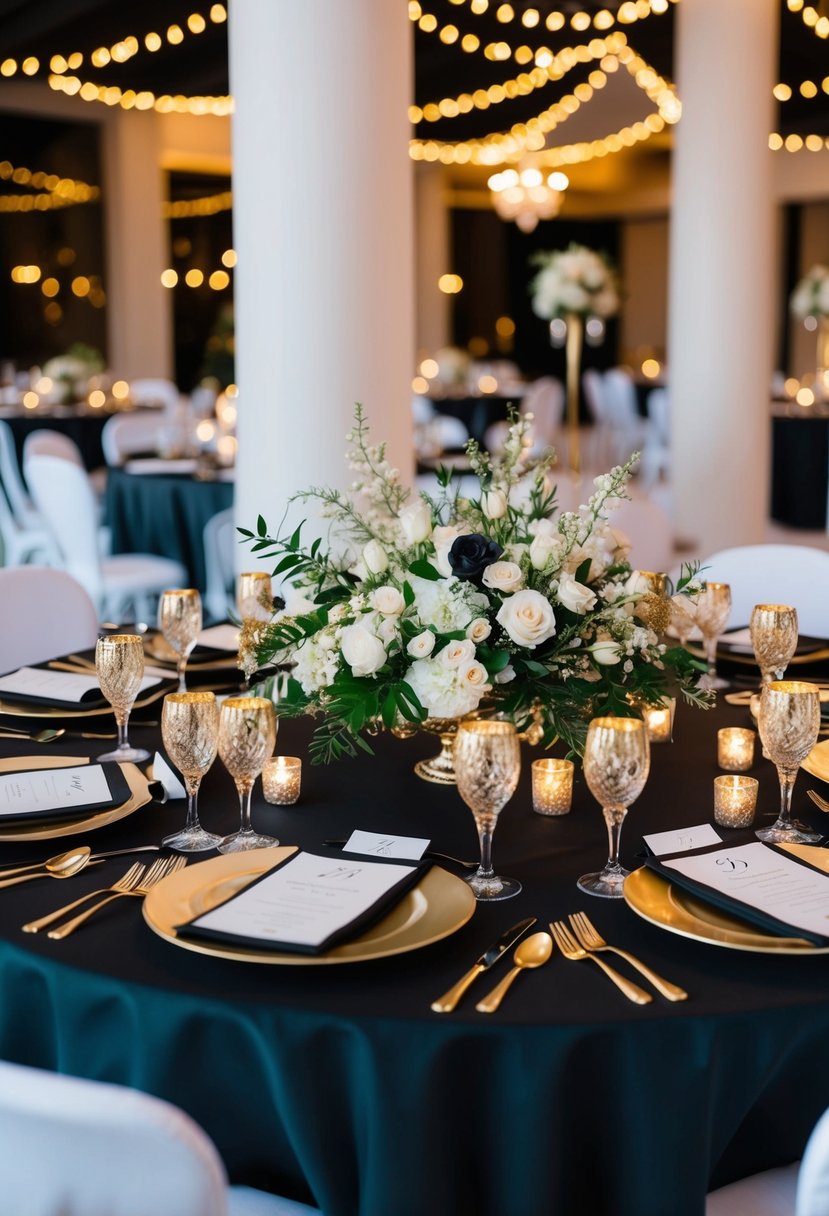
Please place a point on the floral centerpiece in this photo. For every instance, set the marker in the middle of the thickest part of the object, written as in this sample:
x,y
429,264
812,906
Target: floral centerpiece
x,y
436,606
73,369
811,299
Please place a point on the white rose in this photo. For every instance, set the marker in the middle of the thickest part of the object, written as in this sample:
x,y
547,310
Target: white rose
x,y
637,584
444,535
375,558
528,618
545,546
388,629
494,504
474,675
479,630
503,576
421,646
457,653
541,527
364,653
606,653
388,600
504,677
575,596
416,522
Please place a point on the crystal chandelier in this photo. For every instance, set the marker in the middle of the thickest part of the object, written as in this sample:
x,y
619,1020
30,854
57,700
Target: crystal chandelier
x,y
526,196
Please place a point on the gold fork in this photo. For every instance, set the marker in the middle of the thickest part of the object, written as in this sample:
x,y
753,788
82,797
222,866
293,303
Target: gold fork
x,y
591,940
132,877
818,801
158,870
570,948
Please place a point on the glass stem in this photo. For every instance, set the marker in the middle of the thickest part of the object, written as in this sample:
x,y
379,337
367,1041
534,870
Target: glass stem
x,y
614,817
485,841
787,779
122,721
711,654
245,789
181,664
192,788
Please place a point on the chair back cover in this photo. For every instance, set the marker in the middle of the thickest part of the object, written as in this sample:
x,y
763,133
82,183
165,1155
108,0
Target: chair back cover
x,y
11,478
64,496
45,613
813,1178
126,435
647,526
775,574
45,442
545,401
158,392
220,539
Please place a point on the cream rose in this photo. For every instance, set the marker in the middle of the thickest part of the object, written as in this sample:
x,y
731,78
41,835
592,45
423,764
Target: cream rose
x,y
575,596
388,629
505,676
421,646
528,618
544,548
503,576
388,600
606,652
474,675
494,504
479,630
364,653
416,522
375,558
457,653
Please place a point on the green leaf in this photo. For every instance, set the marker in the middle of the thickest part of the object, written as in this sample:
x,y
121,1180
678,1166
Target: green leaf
x,y
389,710
493,660
583,571
261,526
408,594
424,569
534,668
248,535
293,543
287,563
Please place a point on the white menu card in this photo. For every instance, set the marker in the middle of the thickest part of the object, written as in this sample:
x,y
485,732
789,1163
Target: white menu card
x,y
682,840
42,791
386,844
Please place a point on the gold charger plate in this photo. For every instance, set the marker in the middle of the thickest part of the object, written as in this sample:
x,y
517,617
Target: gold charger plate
x,y
657,900
438,906
139,796
45,711
817,761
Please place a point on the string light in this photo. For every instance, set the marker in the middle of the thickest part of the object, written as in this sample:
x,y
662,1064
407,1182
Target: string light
x,y
128,99
796,143
806,88
810,16
216,280
210,204
52,191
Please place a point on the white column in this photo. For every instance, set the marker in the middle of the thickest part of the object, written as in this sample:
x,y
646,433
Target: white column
x,y
722,266
139,308
323,231
432,247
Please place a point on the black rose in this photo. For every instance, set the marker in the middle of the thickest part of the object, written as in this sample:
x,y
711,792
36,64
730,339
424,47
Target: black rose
x,y
470,556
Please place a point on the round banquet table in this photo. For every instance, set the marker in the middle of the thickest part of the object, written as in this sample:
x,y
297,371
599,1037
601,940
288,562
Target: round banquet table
x,y
337,1085
84,429
164,514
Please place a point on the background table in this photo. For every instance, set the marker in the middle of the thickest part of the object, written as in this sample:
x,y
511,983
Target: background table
x,y
83,429
338,1083
800,469
164,515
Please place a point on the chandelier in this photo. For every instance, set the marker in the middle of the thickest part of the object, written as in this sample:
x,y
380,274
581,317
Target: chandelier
x,y
526,196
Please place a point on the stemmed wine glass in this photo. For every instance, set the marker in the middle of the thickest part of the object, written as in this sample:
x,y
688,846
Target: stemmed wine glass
x,y
119,663
789,721
616,766
774,638
713,607
683,616
487,758
254,596
247,734
190,730
179,619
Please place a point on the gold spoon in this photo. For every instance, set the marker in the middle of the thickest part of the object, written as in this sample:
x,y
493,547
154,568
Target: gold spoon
x,y
64,865
40,736
532,952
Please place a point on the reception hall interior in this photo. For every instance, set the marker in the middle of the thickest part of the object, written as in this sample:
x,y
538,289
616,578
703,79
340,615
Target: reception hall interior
x,y
414,419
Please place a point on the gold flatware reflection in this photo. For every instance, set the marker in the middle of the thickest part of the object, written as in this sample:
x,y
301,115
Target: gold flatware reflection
x,y
818,801
592,940
158,870
571,950
63,865
534,951
39,736
7,870
131,879
76,668
449,1000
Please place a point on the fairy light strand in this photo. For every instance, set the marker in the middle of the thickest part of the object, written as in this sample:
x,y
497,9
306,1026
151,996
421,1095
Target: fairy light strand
x,y
810,16
531,18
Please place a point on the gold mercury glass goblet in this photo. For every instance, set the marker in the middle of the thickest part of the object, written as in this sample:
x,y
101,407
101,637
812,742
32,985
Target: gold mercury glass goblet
x,y
190,730
616,766
774,638
254,596
119,663
683,616
179,619
713,607
789,720
247,734
487,767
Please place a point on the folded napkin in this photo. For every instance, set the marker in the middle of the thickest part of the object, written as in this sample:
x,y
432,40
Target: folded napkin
x,y
153,466
60,690
72,792
162,772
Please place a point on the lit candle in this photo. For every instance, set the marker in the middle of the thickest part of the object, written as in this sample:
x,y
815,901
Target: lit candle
x,y
552,786
735,748
735,801
659,720
281,779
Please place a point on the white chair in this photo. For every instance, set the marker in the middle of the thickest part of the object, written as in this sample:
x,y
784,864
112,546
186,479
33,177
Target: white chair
x,y
598,453
545,400
46,613
656,451
801,1189
24,534
423,410
119,585
626,428
775,574
220,538
647,526
45,442
126,435
450,432
73,1147
156,392
22,507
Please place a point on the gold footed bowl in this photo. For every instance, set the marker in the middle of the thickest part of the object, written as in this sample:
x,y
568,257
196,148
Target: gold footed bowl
x,y
440,769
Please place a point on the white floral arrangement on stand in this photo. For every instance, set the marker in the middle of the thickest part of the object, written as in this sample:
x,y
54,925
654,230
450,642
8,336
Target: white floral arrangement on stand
x,y
449,605
811,296
574,281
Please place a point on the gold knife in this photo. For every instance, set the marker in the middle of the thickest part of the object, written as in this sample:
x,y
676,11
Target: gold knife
x,y
449,1000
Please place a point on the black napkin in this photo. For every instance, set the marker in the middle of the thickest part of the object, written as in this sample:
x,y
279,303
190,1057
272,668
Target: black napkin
x,y
119,793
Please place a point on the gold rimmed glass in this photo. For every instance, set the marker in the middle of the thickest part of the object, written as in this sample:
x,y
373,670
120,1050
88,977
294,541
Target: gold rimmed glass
x,y
683,616
487,759
789,721
254,596
180,619
247,734
190,730
119,664
616,767
774,638
713,608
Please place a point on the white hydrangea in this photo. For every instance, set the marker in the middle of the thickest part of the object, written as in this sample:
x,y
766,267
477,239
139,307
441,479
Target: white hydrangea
x,y
317,661
448,690
448,604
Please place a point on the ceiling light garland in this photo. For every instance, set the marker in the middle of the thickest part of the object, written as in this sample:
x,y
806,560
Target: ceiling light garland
x,y
209,204
796,143
806,88
811,17
521,86
52,191
129,99
531,18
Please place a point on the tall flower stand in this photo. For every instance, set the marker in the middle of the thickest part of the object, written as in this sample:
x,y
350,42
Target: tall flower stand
x,y
575,337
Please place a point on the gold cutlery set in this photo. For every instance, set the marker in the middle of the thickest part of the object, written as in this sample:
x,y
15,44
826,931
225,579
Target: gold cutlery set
x,y
577,942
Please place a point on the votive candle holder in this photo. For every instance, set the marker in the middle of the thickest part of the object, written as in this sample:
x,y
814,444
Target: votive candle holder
x,y
281,780
735,801
552,786
735,748
659,720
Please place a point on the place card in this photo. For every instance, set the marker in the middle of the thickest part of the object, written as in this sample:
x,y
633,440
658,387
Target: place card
x,y
53,792
386,845
307,904
42,686
682,840
162,772
762,884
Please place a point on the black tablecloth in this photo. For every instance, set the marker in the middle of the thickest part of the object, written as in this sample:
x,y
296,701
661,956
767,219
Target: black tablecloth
x,y
164,515
84,429
800,471
341,1085
477,413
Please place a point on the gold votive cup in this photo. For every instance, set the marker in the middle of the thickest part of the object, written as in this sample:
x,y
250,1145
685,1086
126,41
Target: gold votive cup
x,y
281,780
659,720
552,786
735,748
735,801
